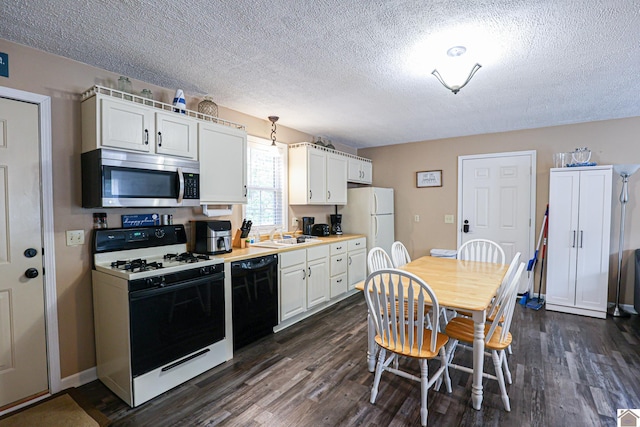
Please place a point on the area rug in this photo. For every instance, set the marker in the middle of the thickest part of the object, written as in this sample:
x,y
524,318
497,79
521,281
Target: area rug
x,y
63,409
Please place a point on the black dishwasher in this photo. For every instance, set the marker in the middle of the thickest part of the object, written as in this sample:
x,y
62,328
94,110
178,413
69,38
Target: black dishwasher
x,y
255,299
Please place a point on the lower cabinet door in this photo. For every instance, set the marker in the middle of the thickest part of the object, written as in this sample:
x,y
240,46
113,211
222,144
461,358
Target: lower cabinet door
x,y
357,268
293,291
317,282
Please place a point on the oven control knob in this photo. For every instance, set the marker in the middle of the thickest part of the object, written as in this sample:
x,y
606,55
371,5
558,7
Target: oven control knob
x,y
205,270
159,233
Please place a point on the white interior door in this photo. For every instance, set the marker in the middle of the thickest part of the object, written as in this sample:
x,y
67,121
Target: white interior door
x,y
23,355
497,201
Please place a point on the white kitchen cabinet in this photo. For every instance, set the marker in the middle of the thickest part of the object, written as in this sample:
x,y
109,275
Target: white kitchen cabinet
x,y
360,170
292,283
336,179
223,164
316,175
317,275
356,261
578,250
176,135
109,122
338,269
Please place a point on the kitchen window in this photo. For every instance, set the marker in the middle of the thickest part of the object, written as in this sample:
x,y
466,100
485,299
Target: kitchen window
x,y
266,184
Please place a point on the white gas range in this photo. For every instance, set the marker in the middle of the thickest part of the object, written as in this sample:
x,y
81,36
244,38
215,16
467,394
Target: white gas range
x,y
159,311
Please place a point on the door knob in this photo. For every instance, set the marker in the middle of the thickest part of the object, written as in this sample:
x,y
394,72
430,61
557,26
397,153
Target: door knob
x,y
31,273
30,253
465,227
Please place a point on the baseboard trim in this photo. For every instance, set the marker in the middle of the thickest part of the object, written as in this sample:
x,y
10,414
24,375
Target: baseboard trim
x,y
79,379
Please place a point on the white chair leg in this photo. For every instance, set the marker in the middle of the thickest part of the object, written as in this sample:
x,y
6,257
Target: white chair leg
x,y
447,378
503,389
424,386
509,350
376,379
505,367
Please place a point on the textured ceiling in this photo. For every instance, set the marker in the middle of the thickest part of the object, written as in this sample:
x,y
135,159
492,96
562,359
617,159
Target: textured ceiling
x,y
349,70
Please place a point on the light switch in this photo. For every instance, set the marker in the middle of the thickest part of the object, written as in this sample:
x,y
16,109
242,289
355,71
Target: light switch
x,y
75,237
416,218
448,219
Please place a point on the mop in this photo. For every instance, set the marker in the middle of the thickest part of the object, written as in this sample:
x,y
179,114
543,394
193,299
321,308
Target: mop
x,y
537,303
533,261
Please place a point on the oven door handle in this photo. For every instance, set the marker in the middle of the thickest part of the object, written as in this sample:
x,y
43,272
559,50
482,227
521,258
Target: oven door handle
x,y
180,185
138,295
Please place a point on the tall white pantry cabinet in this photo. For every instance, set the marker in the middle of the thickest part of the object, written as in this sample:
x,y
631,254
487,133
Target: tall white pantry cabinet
x,y
578,240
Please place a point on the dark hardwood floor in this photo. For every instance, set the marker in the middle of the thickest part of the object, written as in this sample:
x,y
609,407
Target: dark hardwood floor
x,y
567,371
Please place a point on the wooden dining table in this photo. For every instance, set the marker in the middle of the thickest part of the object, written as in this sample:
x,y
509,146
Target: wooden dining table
x,y
458,285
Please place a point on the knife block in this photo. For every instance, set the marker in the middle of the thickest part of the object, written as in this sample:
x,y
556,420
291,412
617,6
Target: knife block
x,y
238,241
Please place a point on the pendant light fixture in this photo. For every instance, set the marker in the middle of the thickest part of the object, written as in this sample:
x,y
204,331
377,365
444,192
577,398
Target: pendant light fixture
x,y
273,120
454,53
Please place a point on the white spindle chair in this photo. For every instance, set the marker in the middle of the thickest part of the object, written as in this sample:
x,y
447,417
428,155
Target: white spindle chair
x,y
399,254
497,336
378,259
399,303
481,250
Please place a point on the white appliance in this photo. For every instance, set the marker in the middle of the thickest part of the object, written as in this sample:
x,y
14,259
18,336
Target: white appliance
x,y
369,211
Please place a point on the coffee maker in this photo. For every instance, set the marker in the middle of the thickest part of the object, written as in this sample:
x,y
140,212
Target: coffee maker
x,y
307,224
336,223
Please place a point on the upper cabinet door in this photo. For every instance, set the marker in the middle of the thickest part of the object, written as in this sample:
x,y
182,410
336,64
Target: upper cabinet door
x,y
336,179
126,126
223,164
367,172
176,135
317,166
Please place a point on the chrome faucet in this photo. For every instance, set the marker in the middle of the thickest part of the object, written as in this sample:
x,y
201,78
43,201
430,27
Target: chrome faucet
x,y
273,232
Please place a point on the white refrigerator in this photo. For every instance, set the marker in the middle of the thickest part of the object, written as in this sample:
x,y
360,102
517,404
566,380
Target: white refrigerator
x,y
369,211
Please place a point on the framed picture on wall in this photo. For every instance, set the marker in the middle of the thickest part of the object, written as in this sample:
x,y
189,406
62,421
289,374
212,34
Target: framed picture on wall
x,y
429,179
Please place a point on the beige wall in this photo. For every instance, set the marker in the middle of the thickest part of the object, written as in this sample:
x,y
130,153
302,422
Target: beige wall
x,y
612,141
64,80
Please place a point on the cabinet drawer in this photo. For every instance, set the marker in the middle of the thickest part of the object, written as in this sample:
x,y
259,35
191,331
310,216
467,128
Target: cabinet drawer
x,y
317,252
338,264
338,285
338,248
287,259
359,243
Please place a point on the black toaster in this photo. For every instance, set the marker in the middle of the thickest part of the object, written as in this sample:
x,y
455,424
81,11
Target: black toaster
x,y
320,230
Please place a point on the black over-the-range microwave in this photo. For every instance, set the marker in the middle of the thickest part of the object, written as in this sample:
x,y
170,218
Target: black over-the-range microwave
x,y
112,178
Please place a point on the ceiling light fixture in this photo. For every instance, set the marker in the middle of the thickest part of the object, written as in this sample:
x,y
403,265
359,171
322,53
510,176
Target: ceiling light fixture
x,y
273,120
455,52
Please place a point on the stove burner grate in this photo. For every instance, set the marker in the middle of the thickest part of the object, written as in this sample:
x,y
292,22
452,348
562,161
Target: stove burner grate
x,y
187,257
136,265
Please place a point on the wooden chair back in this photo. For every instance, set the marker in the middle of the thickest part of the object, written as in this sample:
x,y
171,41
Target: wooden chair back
x,y
481,250
378,259
506,303
399,254
400,303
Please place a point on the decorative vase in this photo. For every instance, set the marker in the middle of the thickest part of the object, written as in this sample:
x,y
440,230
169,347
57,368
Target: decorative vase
x,y
179,102
208,107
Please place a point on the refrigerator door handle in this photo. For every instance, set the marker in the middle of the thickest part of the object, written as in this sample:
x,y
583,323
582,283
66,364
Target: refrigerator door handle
x,y
375,204
375,219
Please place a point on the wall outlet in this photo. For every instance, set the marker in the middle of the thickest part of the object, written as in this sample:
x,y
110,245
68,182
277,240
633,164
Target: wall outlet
x,y
294,222
448,219
75,237
416,218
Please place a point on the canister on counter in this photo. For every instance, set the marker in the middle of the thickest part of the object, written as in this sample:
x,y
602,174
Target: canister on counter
x,y
166,219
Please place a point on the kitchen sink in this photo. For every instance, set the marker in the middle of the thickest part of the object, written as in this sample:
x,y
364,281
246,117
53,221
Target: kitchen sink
x,y
285,243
